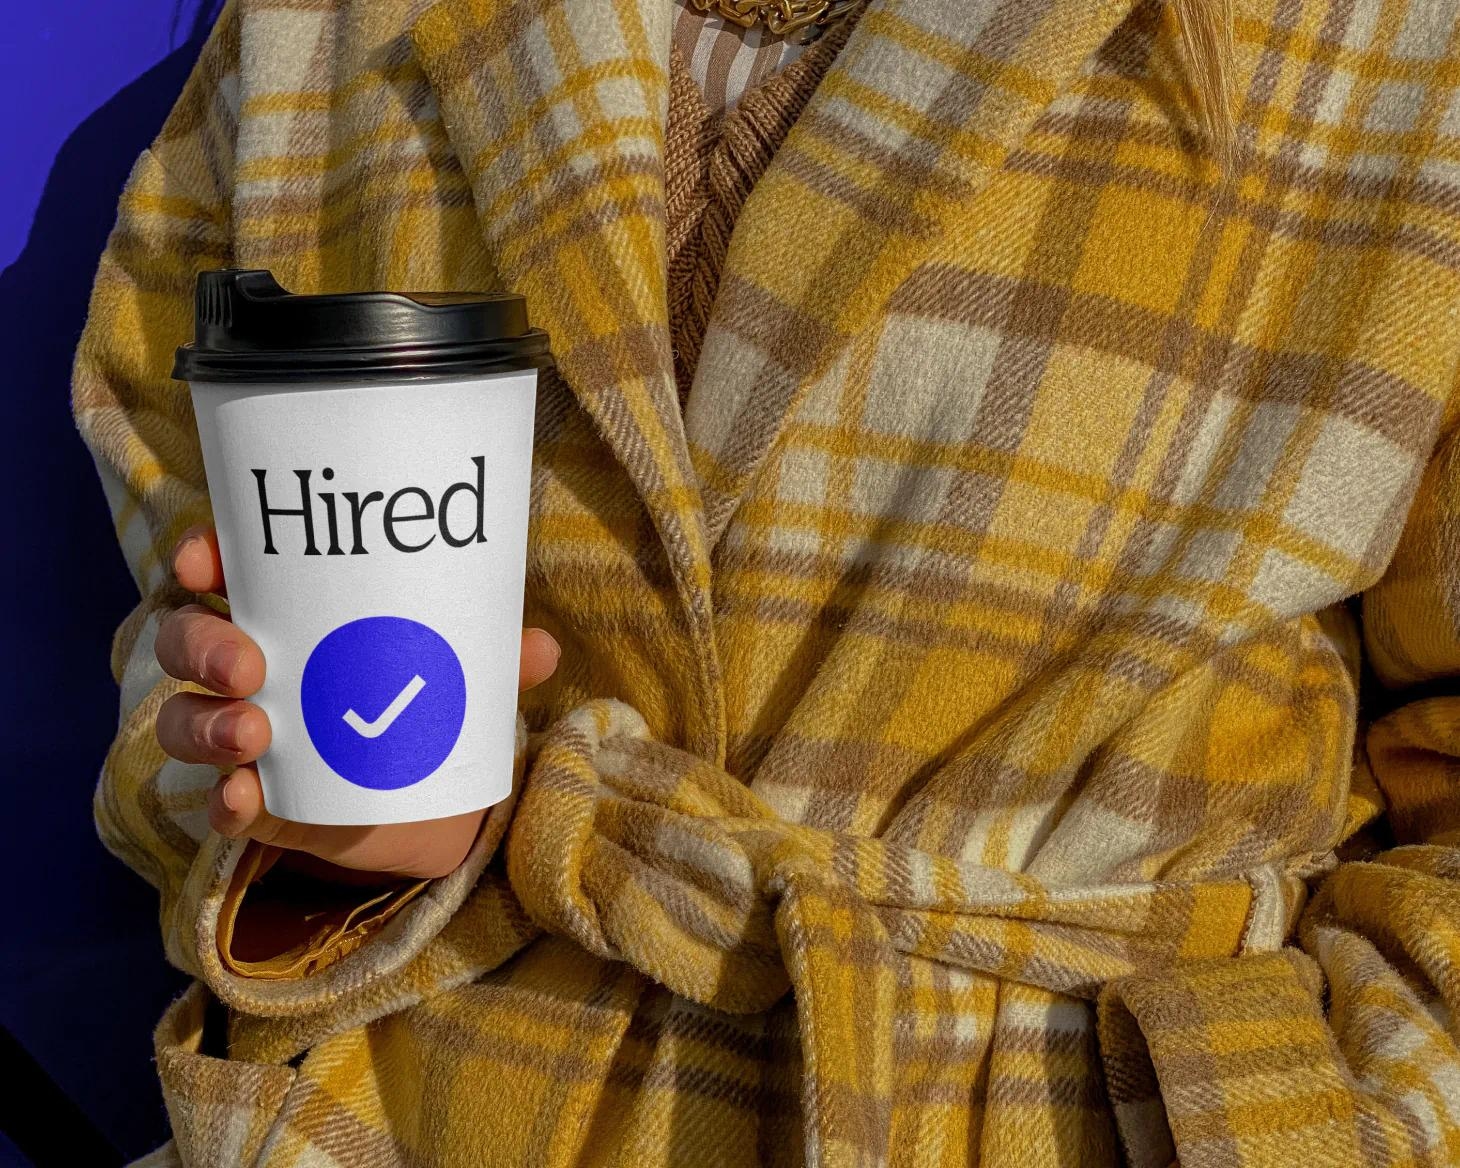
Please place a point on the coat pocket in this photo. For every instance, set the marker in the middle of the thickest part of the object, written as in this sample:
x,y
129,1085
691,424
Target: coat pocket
x,y
221,1110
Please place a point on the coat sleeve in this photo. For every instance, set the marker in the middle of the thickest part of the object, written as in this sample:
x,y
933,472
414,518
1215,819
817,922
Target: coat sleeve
x,y
137,423
1343,1047
174,221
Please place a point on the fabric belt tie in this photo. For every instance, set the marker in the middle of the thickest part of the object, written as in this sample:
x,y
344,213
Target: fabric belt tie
x,y
646,854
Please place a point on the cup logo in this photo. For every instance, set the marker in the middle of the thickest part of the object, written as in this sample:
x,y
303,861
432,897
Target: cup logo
x,y
458,517
384,700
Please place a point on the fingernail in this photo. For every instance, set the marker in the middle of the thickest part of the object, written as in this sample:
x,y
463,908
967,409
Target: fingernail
x,y
229,796
552,640
185,544
221,661
223,730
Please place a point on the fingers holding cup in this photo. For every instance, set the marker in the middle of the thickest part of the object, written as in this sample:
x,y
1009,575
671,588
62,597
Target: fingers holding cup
x,y
196,644
223,732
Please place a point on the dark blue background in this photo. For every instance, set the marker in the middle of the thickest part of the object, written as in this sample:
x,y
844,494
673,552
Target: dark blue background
x,y
85,84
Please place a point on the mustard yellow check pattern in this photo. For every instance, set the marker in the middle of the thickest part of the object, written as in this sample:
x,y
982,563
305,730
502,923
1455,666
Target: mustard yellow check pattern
x,y
1009,715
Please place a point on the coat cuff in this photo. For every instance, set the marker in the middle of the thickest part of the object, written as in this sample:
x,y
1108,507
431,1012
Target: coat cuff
x,y
309,924
351,944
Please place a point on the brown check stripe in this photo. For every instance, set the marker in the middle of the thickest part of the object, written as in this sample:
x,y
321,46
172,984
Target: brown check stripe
x,y
957,753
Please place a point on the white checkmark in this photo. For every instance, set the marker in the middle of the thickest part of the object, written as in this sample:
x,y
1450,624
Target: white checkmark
x,y
388,715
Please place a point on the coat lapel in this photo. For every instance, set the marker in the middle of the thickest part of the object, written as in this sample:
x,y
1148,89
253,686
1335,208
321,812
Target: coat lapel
x,y
922,104
557,110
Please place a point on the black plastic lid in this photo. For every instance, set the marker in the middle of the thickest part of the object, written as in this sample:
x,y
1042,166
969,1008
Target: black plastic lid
x,y
248,328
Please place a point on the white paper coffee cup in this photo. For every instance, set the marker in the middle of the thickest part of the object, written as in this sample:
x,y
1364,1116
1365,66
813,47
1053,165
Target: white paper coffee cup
x,y
371,499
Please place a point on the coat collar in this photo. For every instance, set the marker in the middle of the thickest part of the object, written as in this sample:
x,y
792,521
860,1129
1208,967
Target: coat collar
x,y
557,111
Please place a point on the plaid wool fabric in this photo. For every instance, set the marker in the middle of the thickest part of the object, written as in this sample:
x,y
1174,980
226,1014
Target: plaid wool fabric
x,y
956,753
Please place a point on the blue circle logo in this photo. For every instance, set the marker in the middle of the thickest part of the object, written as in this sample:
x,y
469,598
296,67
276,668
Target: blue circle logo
x,y
384,699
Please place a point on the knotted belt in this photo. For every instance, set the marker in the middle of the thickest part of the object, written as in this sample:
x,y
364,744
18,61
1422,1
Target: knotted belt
x,y
646,854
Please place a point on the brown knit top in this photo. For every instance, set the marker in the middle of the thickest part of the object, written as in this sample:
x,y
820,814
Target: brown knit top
x,y
712,160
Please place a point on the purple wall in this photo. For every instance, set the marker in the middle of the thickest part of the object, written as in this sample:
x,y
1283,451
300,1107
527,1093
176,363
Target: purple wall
x,y
63,60
84,84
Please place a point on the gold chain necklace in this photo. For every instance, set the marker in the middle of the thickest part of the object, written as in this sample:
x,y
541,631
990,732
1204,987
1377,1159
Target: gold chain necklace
x,y
779,16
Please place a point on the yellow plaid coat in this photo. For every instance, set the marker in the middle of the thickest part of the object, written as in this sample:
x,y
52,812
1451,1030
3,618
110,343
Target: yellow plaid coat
x,y
957,753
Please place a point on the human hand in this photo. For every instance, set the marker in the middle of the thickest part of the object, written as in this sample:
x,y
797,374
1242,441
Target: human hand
x,y
197,644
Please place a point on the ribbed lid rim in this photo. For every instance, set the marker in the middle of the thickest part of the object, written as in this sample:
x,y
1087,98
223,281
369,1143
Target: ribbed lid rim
x,y
249,328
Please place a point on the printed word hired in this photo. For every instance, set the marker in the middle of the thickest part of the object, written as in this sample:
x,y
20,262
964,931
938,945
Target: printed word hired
x,y
408,506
